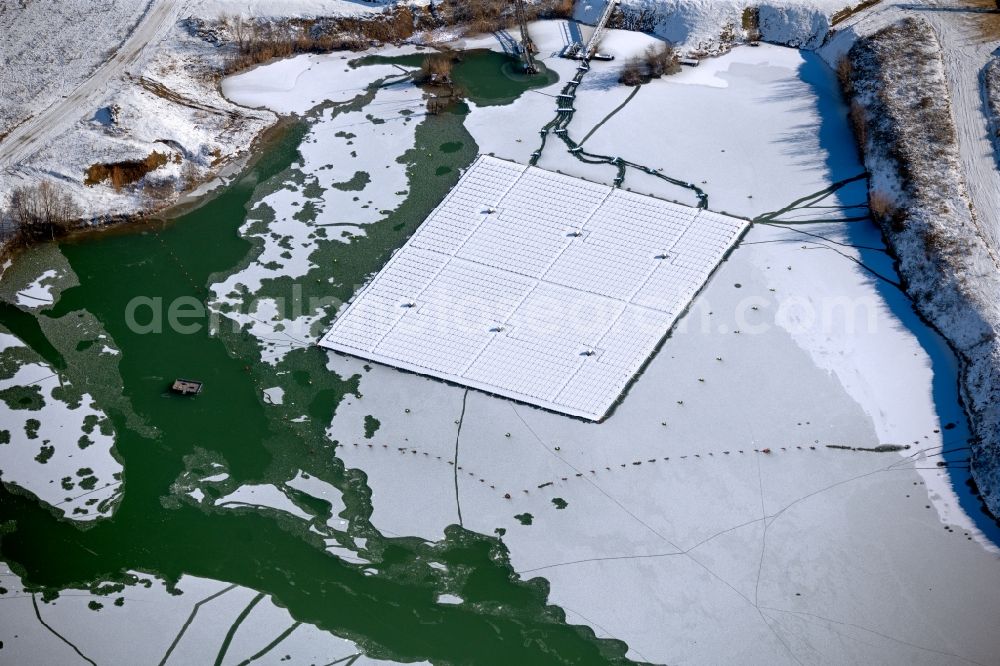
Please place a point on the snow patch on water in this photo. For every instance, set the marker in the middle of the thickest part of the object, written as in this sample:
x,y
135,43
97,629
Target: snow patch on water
x,y
52,448
264,495
351,179
39,292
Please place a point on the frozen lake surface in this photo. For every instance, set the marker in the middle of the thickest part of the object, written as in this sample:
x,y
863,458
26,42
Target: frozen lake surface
x,y
784,482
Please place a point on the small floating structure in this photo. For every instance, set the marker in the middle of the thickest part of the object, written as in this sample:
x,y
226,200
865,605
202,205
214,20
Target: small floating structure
x,y
572,51
577,54
689,62
186,387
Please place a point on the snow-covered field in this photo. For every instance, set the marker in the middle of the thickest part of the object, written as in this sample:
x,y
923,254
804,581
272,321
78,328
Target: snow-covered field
x,y
714,26
38,71
150,87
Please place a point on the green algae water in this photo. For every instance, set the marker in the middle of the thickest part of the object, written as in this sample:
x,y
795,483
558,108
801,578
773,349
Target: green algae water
x,y
485,77
388,603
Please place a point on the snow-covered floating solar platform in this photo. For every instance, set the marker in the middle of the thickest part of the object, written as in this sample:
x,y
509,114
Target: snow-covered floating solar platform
x,y
537,286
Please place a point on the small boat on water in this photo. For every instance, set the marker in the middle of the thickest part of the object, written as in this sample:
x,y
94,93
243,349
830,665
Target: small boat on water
x,y
186,387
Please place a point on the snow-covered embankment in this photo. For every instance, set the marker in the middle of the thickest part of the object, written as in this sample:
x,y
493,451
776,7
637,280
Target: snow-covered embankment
x,y
714,26
901,111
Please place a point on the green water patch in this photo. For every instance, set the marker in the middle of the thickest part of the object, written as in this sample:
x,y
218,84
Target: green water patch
x,y
372,425
489,78
23,397
27,328
357,183
485,77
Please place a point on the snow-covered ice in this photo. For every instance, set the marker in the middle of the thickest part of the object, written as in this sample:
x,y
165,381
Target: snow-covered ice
x,y
61,452
188,623
343,159
262,496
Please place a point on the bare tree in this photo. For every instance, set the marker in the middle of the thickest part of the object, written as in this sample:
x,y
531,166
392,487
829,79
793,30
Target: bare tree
x,y
41,211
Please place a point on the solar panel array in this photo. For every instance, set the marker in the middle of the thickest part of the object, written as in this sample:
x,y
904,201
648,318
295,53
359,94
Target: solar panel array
x,y
536,286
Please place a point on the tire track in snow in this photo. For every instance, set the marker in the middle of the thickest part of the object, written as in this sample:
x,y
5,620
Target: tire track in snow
x,y
965,53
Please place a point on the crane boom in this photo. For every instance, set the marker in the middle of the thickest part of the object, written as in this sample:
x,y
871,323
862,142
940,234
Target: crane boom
x,y
595,39
527,48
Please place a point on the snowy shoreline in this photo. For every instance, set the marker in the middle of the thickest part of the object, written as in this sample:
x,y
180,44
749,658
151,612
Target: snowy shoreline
x,y
949,268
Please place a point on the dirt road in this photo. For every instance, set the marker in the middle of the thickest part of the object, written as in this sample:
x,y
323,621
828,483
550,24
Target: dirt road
x,y
966,53
29,137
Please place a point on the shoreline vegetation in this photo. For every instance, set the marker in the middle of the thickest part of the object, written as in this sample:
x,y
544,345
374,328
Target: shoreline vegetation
x,y
260,41
900,109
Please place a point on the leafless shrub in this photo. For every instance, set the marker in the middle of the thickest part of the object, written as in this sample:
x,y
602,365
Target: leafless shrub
x,y
253,42
190,175
562,9
41,212
845,71
436,69
157,193
938,244
661,60
124,173
885,211
856,116
847,12
655,62
256,42
632,73
636,20
479,16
